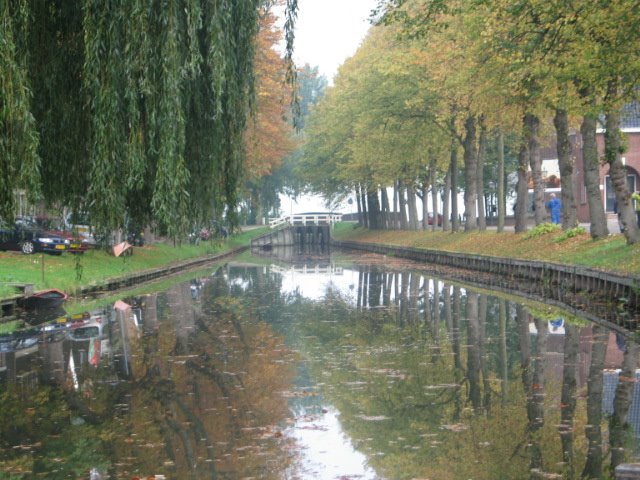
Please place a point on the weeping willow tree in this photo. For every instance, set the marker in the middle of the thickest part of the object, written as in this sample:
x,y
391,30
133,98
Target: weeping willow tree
x,y
138,106
19,161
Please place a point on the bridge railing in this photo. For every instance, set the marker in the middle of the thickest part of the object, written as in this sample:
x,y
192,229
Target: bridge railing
x,y
306,219
306,269
278,222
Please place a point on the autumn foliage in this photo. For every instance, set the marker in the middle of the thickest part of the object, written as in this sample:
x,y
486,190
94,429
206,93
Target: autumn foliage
x,y
269,136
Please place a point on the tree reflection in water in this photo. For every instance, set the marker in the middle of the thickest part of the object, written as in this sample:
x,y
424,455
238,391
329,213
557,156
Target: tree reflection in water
x,y
196,399
441,381
428,379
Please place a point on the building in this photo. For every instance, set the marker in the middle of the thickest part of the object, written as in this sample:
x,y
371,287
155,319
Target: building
x,y
630,126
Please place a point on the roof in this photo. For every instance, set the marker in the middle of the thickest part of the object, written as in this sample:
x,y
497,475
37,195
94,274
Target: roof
x,y
629,117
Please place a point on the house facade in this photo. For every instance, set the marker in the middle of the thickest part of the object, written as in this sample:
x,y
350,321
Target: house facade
x,y
630,126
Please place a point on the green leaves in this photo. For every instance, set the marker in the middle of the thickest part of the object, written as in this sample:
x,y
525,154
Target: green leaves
x,y
377,123
141,106
19,160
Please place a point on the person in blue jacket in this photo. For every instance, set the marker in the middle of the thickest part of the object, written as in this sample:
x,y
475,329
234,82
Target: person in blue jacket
x,y
554,207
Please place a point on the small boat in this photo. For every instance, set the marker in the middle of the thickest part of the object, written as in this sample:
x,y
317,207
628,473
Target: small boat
x,y
43,299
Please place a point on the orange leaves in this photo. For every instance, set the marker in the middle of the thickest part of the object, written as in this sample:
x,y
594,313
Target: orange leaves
x,y
268,138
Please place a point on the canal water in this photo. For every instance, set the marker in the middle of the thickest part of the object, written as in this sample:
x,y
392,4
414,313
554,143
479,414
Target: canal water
x,y
356,367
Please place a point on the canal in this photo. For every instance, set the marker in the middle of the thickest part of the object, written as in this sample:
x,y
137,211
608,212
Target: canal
x,y
354,367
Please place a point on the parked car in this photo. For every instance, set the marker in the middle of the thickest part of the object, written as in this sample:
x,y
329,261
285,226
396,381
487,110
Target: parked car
x,y
27,237
78,224
77,243
430,219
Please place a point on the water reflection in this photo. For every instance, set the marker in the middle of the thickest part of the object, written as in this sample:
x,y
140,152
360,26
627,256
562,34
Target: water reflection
x,y
186,393
318,372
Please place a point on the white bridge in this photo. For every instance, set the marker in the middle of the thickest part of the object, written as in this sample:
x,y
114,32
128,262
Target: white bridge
x,y
306,219
306,269
299,229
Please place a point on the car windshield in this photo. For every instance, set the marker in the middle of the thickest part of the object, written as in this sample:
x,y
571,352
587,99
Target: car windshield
x,y
26,222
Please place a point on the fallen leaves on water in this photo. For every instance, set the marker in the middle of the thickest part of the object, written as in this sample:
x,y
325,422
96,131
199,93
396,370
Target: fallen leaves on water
x,y
455,427
303,393
373,418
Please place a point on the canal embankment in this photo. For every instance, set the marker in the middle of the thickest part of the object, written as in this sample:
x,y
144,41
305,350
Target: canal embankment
x,y
96,272
9,303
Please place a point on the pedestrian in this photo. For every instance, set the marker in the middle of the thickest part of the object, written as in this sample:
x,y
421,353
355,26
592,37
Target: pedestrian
x,y
554,207
636,197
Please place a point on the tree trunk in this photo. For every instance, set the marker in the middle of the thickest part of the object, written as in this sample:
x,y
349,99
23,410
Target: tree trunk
x,y
424,196
532,128
482,148
522,188
617,171
455,220
446,222
413,208
359,207
470,175
402,202
386,211
501,196
259,213
565,162
365,208
396,207
434,194
374,208
597,216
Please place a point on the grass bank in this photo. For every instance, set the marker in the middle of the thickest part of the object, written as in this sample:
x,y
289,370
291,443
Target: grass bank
x,y
542,243
70,272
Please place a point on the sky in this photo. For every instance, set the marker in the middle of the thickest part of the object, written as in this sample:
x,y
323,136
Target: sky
x,y
330,31
327,33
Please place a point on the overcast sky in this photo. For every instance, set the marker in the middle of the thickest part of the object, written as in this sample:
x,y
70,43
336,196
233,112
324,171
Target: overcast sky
x,y
330,31
327,33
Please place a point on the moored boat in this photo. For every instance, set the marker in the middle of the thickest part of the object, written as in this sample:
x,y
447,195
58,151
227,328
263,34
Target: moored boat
x,y
43,299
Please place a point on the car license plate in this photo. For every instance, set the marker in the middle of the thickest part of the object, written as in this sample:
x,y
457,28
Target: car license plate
x,y
59,247
75,245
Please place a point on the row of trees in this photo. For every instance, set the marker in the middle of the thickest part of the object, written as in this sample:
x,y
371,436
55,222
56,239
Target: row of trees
x,y
139,110
273,144
435,81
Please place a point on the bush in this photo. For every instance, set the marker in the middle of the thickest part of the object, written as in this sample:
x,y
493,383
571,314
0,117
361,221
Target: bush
x,y
542,229
572,232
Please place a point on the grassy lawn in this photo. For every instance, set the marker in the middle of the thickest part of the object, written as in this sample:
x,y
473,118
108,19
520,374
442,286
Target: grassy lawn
x,y
611,253
69,272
